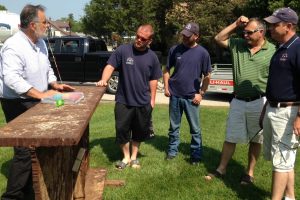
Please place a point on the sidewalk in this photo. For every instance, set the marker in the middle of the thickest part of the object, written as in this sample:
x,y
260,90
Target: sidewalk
x,y
162,99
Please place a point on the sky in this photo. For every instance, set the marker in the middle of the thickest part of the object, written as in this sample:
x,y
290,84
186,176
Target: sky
x,y
55,9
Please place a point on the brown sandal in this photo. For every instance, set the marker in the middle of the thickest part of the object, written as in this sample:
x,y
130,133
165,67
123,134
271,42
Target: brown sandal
x,y
246,179
214,174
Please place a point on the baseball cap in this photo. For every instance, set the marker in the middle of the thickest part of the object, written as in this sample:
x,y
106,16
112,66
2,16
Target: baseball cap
x,y
283,15
190,29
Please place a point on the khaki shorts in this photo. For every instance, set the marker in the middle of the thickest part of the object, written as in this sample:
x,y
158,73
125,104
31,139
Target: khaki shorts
x,y
280,144
243,121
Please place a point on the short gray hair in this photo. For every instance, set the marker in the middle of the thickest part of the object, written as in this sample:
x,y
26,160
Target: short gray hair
x,y
29,14
260,23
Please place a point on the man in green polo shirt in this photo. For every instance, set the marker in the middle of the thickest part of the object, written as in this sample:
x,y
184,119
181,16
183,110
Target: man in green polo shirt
x,y
250,57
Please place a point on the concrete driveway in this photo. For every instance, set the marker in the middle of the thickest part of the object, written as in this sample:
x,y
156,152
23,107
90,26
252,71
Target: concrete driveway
x,y
210,99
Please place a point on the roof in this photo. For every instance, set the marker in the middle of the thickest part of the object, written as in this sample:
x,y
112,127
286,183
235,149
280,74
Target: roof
x,y
60,23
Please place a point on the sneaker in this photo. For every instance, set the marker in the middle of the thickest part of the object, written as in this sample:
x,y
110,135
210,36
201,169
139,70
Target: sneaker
x,y
169,157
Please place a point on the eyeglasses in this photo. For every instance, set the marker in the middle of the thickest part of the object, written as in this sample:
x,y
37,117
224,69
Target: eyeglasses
x,y
42,22
251,32
138,37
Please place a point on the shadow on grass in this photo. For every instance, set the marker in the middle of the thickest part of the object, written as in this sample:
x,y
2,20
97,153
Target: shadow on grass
x,y
211,158
109,147
235,170
5,168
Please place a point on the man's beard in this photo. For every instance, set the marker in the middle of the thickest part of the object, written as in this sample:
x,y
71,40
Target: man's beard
x,y
40,34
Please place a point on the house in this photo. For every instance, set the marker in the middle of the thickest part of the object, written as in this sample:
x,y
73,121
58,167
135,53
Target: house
x,y
59,28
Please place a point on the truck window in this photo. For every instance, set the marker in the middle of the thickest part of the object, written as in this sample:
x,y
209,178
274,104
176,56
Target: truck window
x,y
97,45
70,46
51,46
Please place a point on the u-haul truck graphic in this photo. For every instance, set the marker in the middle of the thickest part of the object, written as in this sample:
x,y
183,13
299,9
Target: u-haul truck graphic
x,y
221,79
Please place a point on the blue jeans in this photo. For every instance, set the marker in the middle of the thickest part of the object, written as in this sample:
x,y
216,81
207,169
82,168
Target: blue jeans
x,y
176,108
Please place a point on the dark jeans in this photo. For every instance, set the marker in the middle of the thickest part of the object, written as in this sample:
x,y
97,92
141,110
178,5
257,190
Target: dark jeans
x,y
19,183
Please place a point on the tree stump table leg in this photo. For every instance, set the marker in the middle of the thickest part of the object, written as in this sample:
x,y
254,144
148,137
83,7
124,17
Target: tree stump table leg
x,y
52,173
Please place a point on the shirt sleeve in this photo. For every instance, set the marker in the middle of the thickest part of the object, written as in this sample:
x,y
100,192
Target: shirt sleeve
x,y
171,59
115,59
156,72
230,43
206,64
12,64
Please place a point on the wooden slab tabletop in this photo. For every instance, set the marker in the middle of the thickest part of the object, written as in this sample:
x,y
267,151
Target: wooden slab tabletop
x,y
48,125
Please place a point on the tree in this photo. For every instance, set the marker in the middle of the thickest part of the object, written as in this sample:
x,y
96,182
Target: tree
x,y
264,8
211,15
76,26
103,17
2,7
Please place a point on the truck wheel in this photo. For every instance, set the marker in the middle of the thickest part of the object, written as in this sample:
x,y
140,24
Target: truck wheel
x,y
113,83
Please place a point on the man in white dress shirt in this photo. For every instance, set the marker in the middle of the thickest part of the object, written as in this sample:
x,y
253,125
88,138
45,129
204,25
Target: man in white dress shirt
x,y
25,75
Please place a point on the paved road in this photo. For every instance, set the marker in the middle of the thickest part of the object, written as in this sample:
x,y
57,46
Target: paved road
x,y
210,99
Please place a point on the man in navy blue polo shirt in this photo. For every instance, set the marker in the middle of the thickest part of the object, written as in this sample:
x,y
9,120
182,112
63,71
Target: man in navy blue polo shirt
x,y
282,117
191,62
139,69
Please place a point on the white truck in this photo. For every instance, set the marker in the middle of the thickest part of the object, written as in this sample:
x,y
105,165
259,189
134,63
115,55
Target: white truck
x,y
221,79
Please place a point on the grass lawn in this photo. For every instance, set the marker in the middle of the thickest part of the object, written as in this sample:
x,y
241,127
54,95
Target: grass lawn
x,y
175,179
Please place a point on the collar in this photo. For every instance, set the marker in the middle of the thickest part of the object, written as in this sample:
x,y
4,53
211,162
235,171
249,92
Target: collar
x,y
265,45
34,46
289,42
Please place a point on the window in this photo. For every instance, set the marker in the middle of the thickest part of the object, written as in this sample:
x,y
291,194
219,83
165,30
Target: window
x,y
70,46
51,46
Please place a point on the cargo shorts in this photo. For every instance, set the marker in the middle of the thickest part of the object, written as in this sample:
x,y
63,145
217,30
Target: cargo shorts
x,y
280,143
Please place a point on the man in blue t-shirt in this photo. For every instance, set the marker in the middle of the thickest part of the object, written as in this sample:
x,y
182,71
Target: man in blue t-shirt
x,y
139,69
190,61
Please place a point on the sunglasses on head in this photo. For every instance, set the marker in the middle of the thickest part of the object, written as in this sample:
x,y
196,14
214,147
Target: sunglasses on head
x,y
251,32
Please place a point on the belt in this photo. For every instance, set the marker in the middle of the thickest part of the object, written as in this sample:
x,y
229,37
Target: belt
x,y
283,104
248,99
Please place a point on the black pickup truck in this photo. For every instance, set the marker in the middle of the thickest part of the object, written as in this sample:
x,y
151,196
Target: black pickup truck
x,y
80,60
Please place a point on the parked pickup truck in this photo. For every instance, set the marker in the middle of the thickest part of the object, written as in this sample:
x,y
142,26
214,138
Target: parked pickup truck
x,y
221,79
80,60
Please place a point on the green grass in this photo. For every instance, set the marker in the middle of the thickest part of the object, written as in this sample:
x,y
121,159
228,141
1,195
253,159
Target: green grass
x,y
175,179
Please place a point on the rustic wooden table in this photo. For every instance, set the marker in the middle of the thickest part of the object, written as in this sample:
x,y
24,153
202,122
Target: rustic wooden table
x,y
59,139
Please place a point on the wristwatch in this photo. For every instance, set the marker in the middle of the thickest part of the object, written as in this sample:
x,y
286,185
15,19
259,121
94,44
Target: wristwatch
x,y
298,114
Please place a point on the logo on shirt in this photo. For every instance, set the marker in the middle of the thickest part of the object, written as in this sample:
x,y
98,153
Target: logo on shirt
x,y
284,57
178,56
129,61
